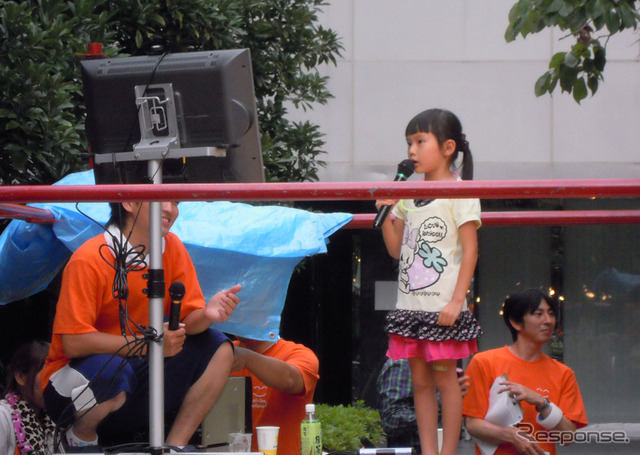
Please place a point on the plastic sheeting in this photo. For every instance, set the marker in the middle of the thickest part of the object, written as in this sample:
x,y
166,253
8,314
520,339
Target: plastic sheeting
x,y
229,243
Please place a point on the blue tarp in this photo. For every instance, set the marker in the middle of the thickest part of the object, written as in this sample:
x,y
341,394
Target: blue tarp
x,y
229,243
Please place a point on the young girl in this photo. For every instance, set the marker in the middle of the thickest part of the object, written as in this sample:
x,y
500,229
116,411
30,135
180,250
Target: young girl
x,y
437,245
24,426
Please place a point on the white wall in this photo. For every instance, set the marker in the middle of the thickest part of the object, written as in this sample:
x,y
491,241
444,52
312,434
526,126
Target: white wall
x,y
404,56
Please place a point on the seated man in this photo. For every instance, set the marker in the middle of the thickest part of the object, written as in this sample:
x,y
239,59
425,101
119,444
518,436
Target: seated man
x,y
546,389
397,411
284,377
96,375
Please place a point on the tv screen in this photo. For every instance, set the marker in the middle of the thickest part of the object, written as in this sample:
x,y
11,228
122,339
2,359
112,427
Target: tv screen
x,y
205,99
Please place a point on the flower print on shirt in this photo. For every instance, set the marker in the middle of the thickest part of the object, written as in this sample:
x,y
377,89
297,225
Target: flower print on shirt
x,y
432,257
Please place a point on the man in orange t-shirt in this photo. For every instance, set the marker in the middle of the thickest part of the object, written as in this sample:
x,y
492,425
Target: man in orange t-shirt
x,y
546,389
283,375
96,375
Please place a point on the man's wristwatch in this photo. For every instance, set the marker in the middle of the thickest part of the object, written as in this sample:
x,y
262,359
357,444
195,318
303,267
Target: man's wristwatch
x,y
544,406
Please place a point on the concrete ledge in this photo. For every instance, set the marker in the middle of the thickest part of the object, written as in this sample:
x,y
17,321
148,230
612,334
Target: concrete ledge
x,y
632,430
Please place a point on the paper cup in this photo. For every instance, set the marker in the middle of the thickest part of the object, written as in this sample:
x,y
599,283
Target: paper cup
x,y
268,440
239,442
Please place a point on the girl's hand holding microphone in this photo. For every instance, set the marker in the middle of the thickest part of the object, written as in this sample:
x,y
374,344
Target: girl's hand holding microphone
x,y
384,207
385,202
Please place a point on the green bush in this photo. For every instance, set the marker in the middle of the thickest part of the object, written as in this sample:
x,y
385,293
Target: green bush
x,y
41,113
41,119
343,426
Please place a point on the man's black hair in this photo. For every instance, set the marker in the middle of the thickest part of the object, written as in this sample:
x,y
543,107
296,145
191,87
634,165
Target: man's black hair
x,y
118,214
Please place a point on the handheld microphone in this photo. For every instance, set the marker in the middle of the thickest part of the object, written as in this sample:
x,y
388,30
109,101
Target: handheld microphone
x,y
176,291
405,169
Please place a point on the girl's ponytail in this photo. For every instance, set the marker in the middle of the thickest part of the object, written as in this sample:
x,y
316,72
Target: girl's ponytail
x,y
467,160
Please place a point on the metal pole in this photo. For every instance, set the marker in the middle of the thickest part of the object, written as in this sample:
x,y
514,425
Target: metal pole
x,y
156,313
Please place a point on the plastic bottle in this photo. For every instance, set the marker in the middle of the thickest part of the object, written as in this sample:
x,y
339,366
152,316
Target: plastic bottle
x,y
311,433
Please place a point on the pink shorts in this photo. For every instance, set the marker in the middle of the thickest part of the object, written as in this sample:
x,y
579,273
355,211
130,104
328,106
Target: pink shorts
x,y
404,348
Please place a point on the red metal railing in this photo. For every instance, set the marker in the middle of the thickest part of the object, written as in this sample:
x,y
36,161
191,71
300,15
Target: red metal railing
x,y
537,218
498,189
11,196
24,212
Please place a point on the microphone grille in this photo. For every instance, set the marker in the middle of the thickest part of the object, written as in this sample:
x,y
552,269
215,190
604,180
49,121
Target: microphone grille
x,y
176,290
406,168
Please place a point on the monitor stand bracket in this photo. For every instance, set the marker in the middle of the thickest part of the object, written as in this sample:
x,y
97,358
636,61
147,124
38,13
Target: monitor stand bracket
x,y
159,136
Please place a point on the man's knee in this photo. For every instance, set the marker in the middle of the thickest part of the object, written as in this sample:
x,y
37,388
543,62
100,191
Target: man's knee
x,y
106,407
223,356
116,402
220,364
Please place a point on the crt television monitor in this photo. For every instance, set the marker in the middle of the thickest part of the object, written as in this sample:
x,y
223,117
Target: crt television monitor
x,y
214,104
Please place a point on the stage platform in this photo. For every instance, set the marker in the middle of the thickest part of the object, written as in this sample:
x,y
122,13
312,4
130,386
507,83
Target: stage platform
x,y
466,447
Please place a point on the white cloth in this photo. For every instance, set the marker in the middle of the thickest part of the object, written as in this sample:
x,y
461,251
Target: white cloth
x,y
503,411
7,435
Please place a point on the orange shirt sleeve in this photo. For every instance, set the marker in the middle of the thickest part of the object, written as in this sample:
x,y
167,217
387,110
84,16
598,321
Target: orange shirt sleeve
x,y
570,400
476,402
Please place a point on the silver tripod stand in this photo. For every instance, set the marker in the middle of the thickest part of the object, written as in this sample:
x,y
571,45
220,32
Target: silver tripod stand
x,y
159,141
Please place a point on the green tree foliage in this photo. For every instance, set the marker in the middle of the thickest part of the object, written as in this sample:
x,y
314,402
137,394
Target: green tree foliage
x,y
287,46
590,22
41,113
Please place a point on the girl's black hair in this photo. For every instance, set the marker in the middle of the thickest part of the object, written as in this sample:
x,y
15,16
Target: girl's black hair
x,y
444,125
28,360
519,304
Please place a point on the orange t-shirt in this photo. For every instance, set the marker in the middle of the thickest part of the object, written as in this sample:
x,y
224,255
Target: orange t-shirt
x,y
271,407
86,303
545,376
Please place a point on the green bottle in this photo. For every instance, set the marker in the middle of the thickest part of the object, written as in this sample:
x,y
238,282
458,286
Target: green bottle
x,y
311,433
